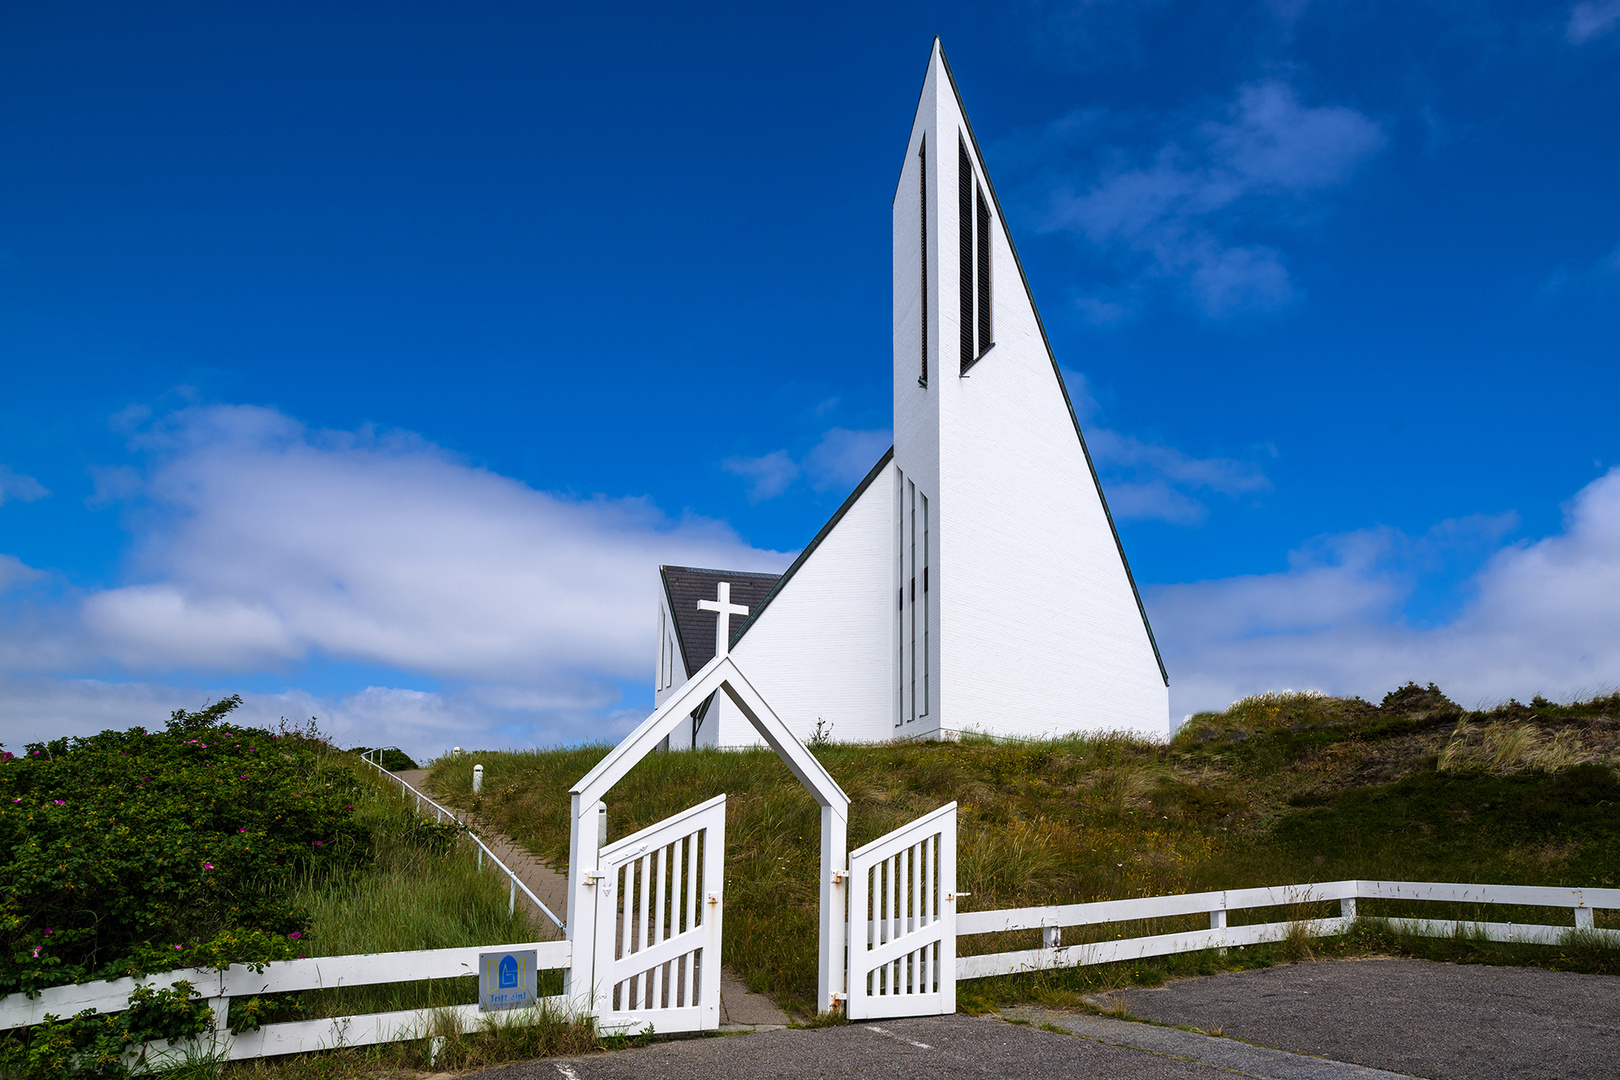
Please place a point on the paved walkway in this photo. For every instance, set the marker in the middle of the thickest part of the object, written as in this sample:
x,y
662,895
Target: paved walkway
x,y
739,1009
1441,1021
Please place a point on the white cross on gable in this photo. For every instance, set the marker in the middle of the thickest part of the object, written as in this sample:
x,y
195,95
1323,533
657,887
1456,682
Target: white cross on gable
x,y
725,609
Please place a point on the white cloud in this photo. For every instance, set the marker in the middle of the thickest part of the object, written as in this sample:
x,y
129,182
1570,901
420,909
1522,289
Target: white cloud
x,y
771,474
1153,482
1588,20
423,723
259,544
14,572
840,460
1599,279
1175,213
14,485
1541,618
843,458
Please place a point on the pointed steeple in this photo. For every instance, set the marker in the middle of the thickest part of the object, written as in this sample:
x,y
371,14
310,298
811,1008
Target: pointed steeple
x,y
1023,558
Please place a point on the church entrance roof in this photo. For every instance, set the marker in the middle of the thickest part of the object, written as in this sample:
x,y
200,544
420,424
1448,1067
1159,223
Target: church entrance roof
x,y
684,586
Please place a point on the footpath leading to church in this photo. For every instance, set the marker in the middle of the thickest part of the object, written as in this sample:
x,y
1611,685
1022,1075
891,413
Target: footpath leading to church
x,y
740,1010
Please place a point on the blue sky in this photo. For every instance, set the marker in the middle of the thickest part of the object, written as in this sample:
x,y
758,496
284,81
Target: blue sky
x,y
369,359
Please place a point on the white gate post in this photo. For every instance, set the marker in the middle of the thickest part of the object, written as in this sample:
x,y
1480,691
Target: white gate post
x,y
583,855
830,989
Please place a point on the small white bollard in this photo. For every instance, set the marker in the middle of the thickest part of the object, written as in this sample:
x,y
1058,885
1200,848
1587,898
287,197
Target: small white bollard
x,y
478,779
456,750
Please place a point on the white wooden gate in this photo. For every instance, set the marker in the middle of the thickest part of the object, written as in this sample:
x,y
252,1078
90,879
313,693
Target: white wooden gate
x,y
658,895
903,889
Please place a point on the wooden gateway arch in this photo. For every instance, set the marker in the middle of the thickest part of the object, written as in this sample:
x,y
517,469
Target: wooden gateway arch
x,y
644,912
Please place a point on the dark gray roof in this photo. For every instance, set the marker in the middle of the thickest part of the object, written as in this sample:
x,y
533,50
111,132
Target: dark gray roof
x,y
684,586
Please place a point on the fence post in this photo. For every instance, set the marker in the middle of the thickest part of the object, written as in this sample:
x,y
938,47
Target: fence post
x,y
1583,918
1051,935
1347,909
511,899
1217,919
222,1020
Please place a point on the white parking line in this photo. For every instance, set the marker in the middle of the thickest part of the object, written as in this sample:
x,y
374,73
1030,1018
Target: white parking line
x,y
901,1038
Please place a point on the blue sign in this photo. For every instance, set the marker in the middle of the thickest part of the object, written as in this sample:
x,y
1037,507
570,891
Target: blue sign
x,y
507,980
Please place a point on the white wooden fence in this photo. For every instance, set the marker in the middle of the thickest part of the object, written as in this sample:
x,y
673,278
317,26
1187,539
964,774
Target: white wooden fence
x,y
1053,919
288,976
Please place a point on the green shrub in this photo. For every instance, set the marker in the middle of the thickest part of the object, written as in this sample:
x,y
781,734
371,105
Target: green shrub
x,y
92,1045
137,851
391,758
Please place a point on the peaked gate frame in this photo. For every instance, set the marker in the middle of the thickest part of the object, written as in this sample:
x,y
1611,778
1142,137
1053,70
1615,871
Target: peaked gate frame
x,y
587,988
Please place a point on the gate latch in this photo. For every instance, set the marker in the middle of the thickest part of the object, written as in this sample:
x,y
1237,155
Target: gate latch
x,y
956,895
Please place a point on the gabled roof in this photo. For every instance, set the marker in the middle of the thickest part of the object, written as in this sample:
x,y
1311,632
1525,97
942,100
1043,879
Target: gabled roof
x,y
684,586
1023,278
754,610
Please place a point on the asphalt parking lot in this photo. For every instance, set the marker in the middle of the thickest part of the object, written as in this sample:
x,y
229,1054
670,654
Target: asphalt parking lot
x,y
1336,1020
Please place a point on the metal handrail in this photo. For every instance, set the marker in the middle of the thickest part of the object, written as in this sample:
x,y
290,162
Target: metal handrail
x,y
483,847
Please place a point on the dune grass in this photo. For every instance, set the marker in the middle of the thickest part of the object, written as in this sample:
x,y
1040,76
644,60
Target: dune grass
x,y
421,889
1279,789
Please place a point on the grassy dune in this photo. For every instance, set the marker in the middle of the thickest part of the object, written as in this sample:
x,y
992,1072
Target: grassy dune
x,y
1278,789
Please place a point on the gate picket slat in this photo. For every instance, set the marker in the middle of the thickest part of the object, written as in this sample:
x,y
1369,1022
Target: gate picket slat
x,y
649,966
661,865
691,908
903,883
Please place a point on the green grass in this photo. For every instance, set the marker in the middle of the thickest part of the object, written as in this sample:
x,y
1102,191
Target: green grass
x,y
422,890
1279,789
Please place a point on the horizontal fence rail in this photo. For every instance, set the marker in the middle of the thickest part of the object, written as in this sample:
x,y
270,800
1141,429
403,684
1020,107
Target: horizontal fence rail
x,y
1051,920
289,976
443,813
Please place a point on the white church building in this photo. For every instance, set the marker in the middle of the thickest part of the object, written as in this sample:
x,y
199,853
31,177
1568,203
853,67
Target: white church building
x,y
974,581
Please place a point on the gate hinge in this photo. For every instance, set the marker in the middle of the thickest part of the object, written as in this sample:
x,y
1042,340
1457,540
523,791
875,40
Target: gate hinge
x,y
839,877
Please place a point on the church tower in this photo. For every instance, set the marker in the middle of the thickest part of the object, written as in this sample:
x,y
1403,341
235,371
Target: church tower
x,y
973,581
1016,611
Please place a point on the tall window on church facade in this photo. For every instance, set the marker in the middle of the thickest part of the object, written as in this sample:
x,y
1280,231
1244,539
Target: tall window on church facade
x,y
973,260
663,651
923,710
912,664
911,492
922,254
900,610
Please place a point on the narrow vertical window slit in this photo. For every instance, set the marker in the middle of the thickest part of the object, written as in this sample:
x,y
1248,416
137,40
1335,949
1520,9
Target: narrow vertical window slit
x,y
985,338
922,254
964,243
